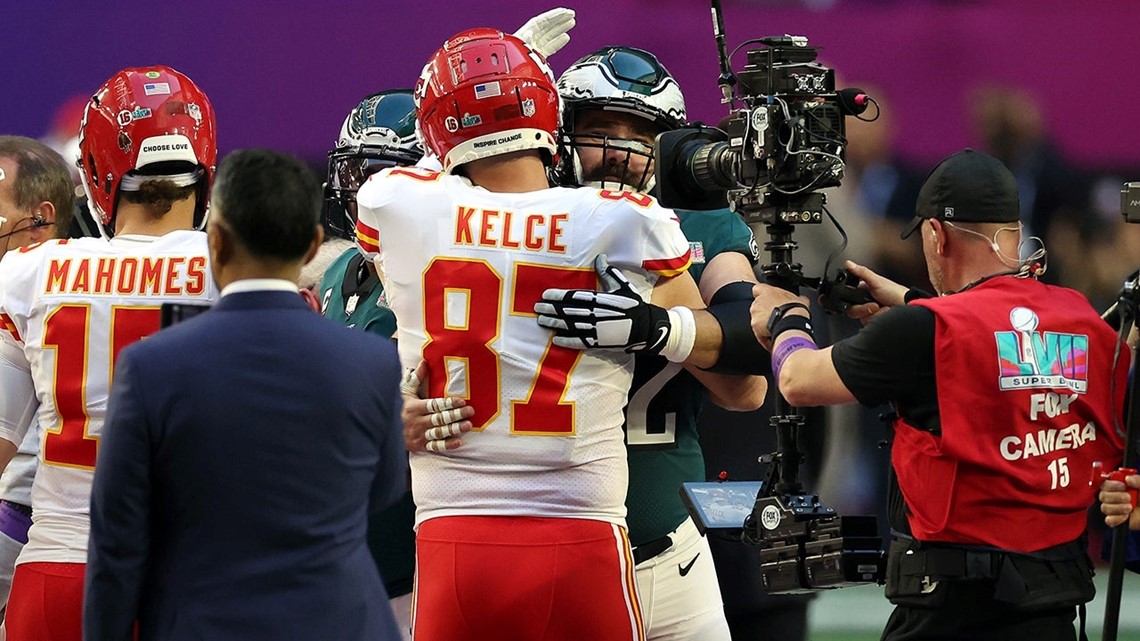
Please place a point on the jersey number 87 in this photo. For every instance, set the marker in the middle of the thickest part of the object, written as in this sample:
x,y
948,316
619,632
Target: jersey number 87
x,y
543,411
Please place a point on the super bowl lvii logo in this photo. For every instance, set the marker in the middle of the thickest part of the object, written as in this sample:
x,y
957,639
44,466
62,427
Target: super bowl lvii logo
x,y
1029,359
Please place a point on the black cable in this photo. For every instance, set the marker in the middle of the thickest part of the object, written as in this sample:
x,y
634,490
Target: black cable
x,y
842,243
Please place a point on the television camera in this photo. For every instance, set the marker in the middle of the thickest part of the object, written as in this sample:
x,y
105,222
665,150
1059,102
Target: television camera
x,y
776,152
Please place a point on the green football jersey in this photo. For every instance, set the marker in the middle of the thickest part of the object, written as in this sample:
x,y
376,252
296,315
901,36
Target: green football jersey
x,y
665,400
360,303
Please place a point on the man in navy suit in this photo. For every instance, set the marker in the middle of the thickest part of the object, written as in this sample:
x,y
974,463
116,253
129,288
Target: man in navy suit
x,y
244,447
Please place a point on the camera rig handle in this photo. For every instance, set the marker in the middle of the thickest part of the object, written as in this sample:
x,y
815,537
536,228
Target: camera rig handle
x,y
836,296
805,545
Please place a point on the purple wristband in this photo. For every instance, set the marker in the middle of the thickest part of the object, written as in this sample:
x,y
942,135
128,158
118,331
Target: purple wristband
x,y
786,349
14,523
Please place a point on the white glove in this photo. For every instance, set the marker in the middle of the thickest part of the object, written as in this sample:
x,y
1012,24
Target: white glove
x,y
548,32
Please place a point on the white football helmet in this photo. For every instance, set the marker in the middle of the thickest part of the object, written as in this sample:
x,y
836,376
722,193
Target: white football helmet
x,y
622,79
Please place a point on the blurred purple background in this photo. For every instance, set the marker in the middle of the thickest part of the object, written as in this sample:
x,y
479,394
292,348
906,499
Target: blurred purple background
x,y
283,73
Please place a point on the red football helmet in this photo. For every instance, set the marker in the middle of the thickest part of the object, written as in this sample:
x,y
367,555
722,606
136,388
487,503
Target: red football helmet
x,y
146,121
483,94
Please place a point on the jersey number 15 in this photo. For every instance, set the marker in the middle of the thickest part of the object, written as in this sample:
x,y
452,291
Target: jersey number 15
x,y
68,332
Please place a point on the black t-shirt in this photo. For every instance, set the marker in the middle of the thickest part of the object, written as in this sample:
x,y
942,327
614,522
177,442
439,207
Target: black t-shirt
x,y
891,360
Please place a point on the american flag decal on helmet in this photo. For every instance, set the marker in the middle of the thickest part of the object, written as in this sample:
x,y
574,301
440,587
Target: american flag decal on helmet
x,y
487,90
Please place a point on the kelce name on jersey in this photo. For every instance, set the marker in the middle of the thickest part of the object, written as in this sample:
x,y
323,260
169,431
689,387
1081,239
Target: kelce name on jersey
x,y
152,275
491,228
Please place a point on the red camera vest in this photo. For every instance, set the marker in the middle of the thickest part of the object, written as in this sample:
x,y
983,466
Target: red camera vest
x,y
1026,401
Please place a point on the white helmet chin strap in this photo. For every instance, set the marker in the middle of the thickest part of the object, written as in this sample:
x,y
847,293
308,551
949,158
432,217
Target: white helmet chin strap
x,y
133,182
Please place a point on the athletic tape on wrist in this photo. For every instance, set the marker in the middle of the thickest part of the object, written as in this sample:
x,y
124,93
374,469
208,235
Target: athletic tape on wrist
x,y
682,334
786,349
410,384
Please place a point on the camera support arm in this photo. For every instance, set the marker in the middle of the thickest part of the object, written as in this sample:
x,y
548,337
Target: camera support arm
x,y
784,464
1127,307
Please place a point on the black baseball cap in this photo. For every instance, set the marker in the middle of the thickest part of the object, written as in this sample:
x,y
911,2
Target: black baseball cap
x,y
968,187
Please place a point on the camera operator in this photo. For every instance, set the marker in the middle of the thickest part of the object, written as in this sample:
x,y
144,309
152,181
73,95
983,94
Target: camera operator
x,y
1005,395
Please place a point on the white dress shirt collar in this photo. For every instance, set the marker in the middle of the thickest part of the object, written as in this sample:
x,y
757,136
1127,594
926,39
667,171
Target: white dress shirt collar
x,y
260,285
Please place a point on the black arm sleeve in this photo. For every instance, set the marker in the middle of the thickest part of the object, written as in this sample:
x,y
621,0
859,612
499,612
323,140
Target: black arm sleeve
x,y
740,353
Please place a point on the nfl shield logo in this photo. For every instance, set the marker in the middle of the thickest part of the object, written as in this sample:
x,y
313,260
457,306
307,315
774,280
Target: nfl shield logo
x,y
528,107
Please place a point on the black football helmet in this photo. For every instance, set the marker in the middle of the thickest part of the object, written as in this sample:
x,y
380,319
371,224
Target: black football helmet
x,y
379,132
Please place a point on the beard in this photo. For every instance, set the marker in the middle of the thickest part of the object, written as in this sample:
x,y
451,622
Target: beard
x,y
618,176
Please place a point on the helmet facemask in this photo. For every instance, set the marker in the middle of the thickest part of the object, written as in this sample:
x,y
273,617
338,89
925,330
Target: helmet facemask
x,y
614,171
348,169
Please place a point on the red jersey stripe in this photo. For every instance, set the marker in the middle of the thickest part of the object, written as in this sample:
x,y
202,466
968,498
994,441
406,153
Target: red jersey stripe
x,y
367,238
7,325
669,267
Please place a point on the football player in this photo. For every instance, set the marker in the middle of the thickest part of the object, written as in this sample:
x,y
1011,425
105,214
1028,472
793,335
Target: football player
x,y
617,100
147,155
378,133
464,254
35,191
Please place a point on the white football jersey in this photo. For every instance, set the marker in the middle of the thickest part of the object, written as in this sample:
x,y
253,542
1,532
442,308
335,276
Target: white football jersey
x,y
67,307
462,269
16,481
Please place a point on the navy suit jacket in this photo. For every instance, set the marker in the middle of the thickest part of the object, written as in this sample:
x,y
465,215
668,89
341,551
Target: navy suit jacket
x,y
242,451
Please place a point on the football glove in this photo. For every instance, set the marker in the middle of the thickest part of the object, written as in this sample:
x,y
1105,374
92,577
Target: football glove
x,y
616,317
548,32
